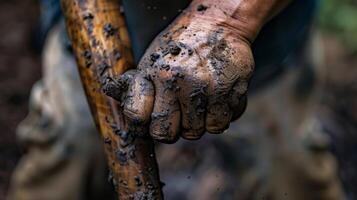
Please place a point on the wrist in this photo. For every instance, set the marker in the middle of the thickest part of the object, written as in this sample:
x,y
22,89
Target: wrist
x,y
245,17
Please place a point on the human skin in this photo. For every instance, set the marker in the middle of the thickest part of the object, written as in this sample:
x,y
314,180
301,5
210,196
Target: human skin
x,y
195,74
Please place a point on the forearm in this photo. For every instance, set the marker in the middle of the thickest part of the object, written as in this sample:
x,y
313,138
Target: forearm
x,y
247,16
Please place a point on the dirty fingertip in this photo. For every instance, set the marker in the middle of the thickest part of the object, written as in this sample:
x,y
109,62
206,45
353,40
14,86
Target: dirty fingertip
x,y
166,115
192,134
218,118
139,100
165,126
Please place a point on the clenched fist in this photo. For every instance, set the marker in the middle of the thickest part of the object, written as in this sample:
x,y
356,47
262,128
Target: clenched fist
x,y
193,78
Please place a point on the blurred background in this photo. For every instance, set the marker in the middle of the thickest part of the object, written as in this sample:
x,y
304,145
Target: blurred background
x,y
19,68
20,65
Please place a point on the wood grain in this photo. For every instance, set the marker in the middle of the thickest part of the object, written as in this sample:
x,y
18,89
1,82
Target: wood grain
x,y
102,47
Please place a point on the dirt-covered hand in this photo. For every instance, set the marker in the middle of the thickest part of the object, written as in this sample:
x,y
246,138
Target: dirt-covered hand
x,y
193,78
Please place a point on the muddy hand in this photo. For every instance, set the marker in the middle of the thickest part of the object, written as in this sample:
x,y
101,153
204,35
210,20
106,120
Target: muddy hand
x,y
194,76
192,79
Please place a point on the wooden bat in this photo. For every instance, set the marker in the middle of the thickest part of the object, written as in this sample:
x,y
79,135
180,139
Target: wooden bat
x,y
102,48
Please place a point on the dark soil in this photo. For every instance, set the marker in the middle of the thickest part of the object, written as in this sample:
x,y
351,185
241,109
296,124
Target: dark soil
x,y
19,69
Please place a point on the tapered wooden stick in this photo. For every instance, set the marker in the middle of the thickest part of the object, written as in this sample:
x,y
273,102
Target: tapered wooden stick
x,y
102,47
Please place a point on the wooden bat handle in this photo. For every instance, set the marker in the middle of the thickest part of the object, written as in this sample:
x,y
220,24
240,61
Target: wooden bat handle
x,y
102,48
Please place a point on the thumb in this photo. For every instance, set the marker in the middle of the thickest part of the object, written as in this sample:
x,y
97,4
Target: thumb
x,y
135,93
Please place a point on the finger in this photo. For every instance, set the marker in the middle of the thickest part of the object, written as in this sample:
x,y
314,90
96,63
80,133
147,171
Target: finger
x,y
139,100
193,101
165,119
218,116
238,99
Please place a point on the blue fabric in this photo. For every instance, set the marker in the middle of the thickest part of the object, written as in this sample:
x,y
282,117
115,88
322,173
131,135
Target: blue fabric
x,y
50,15
147,18
280,39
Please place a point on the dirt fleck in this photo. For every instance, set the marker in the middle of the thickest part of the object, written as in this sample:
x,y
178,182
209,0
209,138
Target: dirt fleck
x,y
175,50
201,8
154,57
109,30
88,16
